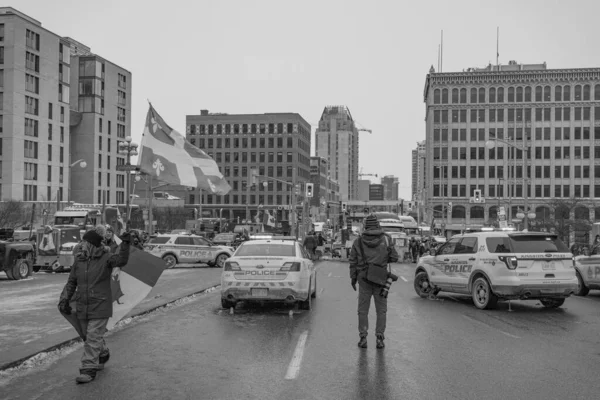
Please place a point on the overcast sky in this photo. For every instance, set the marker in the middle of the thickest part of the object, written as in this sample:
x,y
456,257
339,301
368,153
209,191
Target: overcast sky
x,y
250,56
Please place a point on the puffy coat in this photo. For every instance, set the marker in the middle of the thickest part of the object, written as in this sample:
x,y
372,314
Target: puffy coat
x,y
378,249
89,282
310,242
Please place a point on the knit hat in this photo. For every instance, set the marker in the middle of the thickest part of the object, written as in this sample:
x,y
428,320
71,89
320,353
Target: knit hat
x,y
371,222
100,230
110,229
93,237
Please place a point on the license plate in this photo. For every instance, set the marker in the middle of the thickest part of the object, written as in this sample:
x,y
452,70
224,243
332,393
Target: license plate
x,y
260,292
548,266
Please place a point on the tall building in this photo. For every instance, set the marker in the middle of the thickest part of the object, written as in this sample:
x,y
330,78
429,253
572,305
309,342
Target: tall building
x,y
553,113
53,124
363,190
337,141
276,144
376,191
390,187
326,192
418,171
101,118
34,110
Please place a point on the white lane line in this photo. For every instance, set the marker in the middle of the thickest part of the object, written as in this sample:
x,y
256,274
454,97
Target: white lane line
x,y
491,327
403,278
294,367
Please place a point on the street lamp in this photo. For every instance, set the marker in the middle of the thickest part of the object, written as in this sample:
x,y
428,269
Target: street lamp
x,y
149,196
128,148
525,215
82,164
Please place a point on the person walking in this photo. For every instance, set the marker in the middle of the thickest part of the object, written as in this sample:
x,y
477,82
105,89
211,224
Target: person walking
x,y
373,249
310,244
414,250
89,283
109,239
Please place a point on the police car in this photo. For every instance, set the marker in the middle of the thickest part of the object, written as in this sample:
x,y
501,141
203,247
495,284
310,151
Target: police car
x,y
588,272
492,266
269,270
176,249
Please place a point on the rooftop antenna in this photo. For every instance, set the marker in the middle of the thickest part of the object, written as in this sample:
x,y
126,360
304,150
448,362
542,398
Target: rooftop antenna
x,y
497,47
439,49
442,52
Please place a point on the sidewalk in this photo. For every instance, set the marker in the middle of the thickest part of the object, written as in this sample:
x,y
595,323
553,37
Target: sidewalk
x,y
31,322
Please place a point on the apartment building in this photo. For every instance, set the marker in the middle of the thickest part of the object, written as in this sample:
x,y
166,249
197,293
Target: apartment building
x,y
34,110
521,134
326,192
101,118
276,144
390,187
337,141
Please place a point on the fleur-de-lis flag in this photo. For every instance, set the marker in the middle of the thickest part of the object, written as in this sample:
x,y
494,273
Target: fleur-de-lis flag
x,y
166,155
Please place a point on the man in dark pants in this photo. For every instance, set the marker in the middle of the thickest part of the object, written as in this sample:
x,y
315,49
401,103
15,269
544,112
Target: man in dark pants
x,y
376,248
89,282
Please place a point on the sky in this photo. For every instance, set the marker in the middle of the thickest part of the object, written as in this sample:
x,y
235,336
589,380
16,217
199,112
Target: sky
x,y
254,56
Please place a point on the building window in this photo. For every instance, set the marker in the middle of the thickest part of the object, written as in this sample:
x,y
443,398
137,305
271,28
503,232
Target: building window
x,y
31,105
120,114
30,171
444,99
31,127
32,40
30,149
121,98
32,83
1,54
122,81
538,94
32,61
49,152
29,192
121,131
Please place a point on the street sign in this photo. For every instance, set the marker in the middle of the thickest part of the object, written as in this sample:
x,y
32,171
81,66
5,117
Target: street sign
x,y
126,167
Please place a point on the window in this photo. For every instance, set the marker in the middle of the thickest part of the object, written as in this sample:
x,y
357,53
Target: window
x,y
121,131
121,98
62,114
32,40
500,95
100,143
49,152
62,134
31,149
50,111
31,105
597,92
32,84
122,81
31,127
2,55
61,155
30,171
32,61
566,93
120,114
49,176
577,95
29,192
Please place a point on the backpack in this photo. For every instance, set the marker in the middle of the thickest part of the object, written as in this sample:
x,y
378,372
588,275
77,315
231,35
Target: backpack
x,y
376,275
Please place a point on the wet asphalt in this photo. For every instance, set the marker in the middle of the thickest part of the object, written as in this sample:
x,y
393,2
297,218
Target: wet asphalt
x,y
435,349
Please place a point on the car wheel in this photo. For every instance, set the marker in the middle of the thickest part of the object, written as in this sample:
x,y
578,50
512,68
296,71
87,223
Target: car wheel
x,y
171,260
220,261
314,293
552,303
56,267
307,304
482,294
22,269
227,303
582,290
422,285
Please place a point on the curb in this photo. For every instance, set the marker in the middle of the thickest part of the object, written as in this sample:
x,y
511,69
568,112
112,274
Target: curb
x,y
67,343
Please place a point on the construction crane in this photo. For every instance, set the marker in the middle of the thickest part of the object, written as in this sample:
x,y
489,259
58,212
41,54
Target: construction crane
x,y
360,174
364,130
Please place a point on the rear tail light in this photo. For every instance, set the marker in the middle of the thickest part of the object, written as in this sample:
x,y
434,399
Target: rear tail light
x,y
231,266
574,262
510,261
291,266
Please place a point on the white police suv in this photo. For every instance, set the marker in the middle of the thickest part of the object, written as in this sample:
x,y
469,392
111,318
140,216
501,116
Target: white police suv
x,y
500,265
588,272
181,248
276,269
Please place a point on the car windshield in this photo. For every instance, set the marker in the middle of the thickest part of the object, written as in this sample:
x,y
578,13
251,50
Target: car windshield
x,y
384,215
526,244
159,240
223,237
392,229
266,249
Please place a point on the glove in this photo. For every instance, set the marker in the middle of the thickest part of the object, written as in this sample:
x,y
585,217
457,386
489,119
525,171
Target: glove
x,y
64,307
354,280
126,237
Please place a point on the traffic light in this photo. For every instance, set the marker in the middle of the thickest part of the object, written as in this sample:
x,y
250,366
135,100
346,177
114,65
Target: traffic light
x,y
344,207
309,190
297,189
299,215
477,195
450,208
402,207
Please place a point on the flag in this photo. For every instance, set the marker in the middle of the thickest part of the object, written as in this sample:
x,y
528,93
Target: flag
x,y
135,281
166,155
269,219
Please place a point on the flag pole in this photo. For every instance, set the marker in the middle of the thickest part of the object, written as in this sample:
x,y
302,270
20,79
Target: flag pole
x,y
497,47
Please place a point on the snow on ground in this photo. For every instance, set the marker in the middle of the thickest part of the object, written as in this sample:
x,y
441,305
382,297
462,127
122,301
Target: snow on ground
x,y
28,301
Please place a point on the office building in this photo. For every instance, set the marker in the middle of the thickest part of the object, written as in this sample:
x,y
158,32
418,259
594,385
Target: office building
x,y
34,110
553,113
376,192
390,187
336,139
276,144
101,118
326,192
363,190
419,182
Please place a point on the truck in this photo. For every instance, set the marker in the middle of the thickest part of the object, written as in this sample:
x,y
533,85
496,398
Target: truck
x,y
16,259
87,216
395,229
411,228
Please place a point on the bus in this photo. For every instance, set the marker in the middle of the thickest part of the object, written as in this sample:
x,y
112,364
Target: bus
x,y
411,228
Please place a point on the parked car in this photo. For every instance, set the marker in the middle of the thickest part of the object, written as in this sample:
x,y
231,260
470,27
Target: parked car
x,y
500,265
588,272
176,249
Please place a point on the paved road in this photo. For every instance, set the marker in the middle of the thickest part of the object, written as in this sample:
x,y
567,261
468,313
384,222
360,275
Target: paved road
x,y
441,348
31,322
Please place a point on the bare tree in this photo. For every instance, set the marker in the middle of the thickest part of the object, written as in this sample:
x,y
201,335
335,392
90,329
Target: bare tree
x,y
14,213
566,220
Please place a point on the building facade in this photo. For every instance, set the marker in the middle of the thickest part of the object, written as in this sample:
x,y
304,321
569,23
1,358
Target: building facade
x,y
101,118
34,110
363,190
390,187
479,122
376,192
336,139
326,192
276,144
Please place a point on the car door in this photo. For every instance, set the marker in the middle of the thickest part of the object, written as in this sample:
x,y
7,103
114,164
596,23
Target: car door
x,y
307,261
463,261
184,250
590,267
203,250
440,275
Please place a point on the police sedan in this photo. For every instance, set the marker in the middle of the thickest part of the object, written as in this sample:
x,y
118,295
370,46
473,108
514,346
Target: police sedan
x,y
181,248
277,269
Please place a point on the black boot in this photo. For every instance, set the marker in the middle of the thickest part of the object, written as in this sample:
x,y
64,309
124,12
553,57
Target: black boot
x,y
363,342
380,344
104,357
86,376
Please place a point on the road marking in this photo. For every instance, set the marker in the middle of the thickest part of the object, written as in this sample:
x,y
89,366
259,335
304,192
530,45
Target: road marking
x,y
403,278
491,327
294,367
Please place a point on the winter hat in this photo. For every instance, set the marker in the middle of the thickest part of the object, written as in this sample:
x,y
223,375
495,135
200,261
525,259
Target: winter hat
x,y
371,222
93,237
100,230
110,229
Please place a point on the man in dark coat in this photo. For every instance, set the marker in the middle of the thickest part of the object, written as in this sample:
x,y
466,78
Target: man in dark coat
x,y
89,282
377,249
310,244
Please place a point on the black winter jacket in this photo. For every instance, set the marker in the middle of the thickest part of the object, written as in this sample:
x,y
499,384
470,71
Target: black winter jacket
x,y
378,249
89,281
